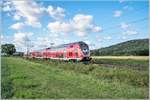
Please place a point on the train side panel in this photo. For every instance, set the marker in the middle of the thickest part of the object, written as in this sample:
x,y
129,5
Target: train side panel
x,y
69,52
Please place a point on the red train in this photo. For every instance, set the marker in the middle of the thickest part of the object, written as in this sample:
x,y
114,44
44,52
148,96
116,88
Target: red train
x,y
77,51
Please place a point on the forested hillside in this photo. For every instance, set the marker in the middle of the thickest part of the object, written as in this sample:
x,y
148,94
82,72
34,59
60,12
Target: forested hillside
x,y
139,47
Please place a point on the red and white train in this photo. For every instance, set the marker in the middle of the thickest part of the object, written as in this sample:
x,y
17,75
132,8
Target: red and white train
x,y
77,51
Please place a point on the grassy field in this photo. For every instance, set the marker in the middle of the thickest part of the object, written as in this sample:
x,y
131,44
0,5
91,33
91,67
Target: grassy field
x,y
122,57
131,62
110,78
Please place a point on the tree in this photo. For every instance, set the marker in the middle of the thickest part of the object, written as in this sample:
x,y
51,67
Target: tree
x,y
9,49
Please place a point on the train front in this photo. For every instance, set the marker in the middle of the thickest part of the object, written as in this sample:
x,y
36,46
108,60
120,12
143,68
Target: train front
x,y
85,51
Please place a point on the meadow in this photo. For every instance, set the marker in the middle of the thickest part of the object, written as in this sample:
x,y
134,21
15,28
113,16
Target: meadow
x,y
102,78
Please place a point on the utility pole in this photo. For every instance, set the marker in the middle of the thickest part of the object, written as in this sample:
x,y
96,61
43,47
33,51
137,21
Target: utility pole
x,y
28,45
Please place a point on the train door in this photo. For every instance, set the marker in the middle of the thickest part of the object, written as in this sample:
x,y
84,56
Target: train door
x,y
75,53
70,54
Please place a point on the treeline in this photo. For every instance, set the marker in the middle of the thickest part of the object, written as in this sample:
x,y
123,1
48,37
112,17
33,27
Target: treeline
x,y
138,47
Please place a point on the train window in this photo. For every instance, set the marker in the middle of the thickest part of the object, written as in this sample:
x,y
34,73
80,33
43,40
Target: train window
x,y
61,56
70,53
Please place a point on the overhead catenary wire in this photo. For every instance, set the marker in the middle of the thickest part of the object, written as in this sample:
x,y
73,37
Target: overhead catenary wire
x,y
107,29
131,12
130,22
118,25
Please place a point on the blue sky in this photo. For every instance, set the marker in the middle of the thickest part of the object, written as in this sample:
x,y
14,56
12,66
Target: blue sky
x,y
98,23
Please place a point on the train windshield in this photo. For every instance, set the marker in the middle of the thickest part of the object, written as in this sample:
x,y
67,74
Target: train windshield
x,y
84,47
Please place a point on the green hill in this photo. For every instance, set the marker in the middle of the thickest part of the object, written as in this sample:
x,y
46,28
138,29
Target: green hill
x,y
139,47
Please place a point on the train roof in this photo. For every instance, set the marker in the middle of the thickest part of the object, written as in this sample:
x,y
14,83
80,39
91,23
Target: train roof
x,y
68,44
62,46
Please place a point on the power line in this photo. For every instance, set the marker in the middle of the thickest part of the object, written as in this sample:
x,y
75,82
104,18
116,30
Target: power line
x,y
131,12
135,11
131,22
107,29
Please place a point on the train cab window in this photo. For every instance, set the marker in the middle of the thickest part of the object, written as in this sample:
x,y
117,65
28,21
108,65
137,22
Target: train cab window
x,y
84,47
71,46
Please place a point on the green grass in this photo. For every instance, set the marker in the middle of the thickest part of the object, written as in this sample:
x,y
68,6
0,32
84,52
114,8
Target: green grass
x,y
122,57
23,78
131,63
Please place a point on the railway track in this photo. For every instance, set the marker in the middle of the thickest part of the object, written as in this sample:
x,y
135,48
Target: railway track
x,y
102,64
106,65
134,67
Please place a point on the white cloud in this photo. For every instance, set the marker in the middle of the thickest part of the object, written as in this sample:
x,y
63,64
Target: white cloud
x,y
107,38
5,3
2,37
127,29
42,42
89,43
8,14
57,27
21,38
17,17
124,25
29,10
33,23
84,19
130,32
6,6
66,41
5,39
103,38
99,38
56,13
118,13
121,1
17,26
80,25
123,37
97,29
